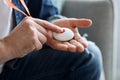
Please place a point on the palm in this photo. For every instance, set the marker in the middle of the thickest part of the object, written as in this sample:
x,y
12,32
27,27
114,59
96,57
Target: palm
x,y
77,43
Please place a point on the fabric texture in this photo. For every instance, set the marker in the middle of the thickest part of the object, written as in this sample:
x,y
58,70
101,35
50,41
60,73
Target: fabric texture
x,y
5,18
59,4
50,64
101,12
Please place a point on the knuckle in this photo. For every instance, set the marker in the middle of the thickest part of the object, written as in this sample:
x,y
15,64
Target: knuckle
x,y
85,45
39,47
26,19
43,39
42,30
45,23
27,22
53,46
22,55
36,43
31,33
81,49
45,32
33,39
73,49
29,29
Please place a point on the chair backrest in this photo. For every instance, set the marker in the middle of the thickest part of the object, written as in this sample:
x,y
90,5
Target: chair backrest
x,y
101,32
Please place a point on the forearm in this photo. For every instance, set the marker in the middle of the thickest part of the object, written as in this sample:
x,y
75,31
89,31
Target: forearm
x,y
3,52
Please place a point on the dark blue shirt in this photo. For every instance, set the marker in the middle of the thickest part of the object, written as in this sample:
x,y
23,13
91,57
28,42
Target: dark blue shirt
x,y
42,9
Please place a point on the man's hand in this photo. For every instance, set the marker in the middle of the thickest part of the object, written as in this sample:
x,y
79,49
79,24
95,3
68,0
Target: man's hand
x,y
29,35
77,43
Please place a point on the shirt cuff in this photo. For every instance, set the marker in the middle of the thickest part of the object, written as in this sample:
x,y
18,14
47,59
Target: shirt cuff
x,y
55,17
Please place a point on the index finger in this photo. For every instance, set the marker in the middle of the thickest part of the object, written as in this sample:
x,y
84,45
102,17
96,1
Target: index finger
x,y
48,25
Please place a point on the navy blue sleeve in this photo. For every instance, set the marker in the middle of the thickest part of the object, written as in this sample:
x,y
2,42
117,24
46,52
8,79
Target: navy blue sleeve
x,y
48,9
42,9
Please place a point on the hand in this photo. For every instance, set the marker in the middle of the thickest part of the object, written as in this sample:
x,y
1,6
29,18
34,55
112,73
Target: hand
x,y
29,35
77,43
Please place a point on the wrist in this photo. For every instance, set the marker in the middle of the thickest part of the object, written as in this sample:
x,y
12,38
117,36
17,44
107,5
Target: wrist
x,y
5,51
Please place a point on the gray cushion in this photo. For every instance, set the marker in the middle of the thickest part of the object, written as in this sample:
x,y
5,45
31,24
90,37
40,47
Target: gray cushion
x,y
101,32
58,4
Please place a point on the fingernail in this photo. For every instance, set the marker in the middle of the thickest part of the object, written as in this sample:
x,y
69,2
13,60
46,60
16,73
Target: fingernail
x,y
63,31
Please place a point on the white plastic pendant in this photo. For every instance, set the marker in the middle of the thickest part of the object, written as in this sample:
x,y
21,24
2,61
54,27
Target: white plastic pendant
x,y
65,36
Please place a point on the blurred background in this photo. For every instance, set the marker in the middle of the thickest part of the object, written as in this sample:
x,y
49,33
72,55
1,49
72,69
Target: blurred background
x,y
105,31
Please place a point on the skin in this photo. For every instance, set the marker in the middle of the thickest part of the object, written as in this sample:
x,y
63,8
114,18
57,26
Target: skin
x,y
27,36
78,43
32,33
